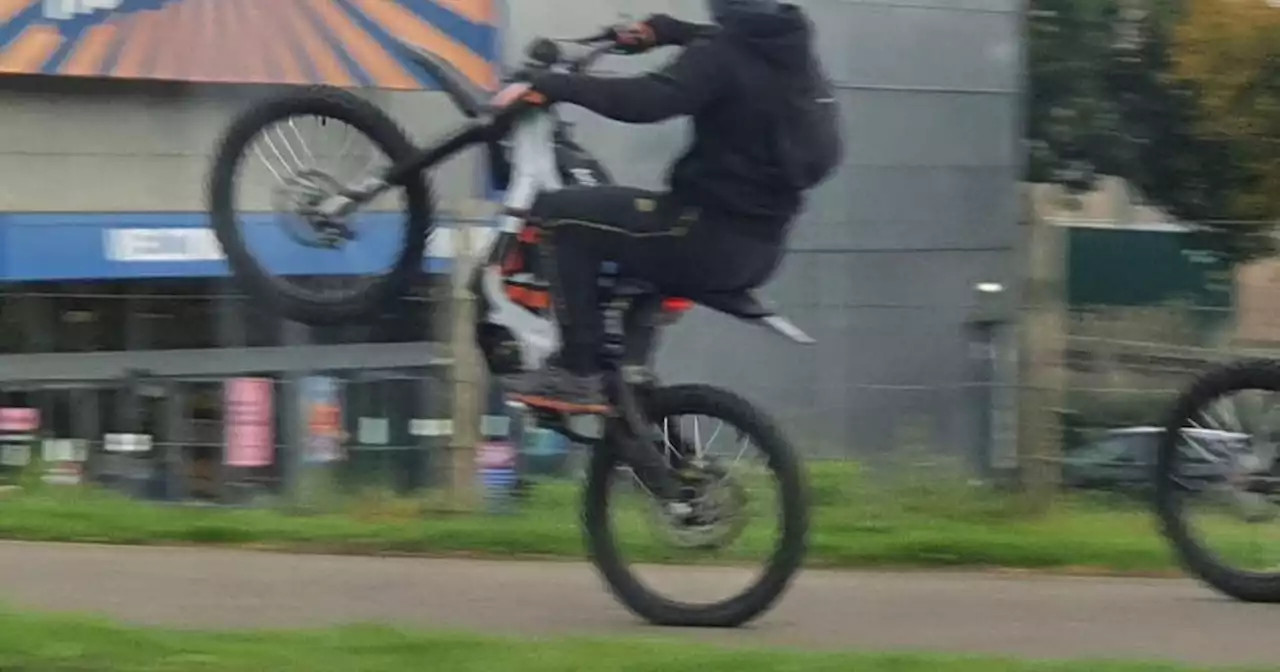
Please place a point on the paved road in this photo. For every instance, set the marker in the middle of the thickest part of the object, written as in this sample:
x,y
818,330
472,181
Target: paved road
x,y
1043,617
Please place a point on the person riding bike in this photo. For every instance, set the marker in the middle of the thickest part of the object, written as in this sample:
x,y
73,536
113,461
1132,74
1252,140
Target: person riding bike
x,y
721,226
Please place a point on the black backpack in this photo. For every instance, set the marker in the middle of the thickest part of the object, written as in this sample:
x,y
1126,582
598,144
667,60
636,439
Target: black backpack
x,y
808,140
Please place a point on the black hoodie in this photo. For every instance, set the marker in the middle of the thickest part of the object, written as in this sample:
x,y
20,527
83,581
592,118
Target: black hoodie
x,y
726,82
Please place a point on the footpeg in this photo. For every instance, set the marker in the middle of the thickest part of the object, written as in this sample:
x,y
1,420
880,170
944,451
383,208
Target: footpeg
x,y
679,509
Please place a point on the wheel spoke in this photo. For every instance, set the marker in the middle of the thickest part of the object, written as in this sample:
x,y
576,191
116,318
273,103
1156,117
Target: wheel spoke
x,y
311,157
289,148
698,451
284,163
745,442
262,157
711,441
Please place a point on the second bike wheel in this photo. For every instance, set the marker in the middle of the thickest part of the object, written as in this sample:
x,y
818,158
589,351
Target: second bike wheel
x,y
290,299
1230,467
721,493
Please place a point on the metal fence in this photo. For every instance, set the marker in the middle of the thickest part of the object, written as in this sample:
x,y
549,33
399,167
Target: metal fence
x,y
159,421
156,430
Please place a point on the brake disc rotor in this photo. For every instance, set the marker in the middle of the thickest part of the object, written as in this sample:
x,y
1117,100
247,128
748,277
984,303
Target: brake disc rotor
x,y
719,515
1251,505
299,197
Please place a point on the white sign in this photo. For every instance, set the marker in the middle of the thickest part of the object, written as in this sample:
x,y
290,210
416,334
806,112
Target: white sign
x,y
429,427
373,431
187,244
15,455
64,450
173,244
126,443
62,10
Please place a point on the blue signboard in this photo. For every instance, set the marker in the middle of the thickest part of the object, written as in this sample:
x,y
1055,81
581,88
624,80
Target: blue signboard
x,y
73,246
348,43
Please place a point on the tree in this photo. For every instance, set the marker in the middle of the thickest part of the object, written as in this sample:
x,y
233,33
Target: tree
x,y
1105,102
1228,51
1071,122
1193,176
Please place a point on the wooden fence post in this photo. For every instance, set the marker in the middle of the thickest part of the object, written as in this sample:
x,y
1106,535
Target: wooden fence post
x,y
1043,340
468,376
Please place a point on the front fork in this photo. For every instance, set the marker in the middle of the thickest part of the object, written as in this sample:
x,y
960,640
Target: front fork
x,y
630,333
631,329
632,433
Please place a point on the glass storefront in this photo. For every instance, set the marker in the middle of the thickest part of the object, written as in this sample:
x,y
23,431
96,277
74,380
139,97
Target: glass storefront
x,y
184,416
181,314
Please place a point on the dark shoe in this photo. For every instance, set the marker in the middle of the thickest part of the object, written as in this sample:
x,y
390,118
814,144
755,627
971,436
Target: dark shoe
x,y
555,389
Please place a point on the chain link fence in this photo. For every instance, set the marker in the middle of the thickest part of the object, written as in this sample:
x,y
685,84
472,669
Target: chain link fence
x,y
1143,308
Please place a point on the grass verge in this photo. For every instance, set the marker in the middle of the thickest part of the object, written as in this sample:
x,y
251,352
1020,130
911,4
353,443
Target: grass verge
x,y
59,644
857,522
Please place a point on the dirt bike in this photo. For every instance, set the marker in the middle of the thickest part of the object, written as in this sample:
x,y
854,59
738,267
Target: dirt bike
x,y
700,502
1207,494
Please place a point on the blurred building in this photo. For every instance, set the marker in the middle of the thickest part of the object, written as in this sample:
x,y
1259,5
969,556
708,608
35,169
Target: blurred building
x,y
109,114
111,108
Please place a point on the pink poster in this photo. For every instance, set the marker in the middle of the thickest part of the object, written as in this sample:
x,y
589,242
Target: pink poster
x,y
19,420
248,421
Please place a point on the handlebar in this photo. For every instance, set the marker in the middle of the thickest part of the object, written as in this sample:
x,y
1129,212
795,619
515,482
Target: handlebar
x,y
470,99
587,60
545,53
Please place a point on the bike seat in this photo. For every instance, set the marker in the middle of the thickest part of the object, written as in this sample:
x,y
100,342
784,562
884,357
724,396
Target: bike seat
x,y
739,303
742,303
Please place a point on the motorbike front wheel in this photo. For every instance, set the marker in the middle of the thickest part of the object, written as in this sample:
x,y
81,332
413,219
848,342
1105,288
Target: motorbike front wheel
x,y
1217,480
716,483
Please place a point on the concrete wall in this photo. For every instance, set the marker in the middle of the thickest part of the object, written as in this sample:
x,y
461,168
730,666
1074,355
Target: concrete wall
x,y
82,145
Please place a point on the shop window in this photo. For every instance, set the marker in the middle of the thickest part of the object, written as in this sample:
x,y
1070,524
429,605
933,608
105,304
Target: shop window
x,y
13,328
87,316
421,315
176,314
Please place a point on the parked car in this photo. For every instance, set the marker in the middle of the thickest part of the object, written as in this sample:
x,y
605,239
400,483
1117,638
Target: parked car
x,y
1124,459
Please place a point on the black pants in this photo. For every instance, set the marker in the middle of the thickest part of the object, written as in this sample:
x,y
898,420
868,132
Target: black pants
x,y
651,238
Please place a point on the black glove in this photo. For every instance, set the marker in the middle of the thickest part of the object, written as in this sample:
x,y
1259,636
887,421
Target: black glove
x,y
659,30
